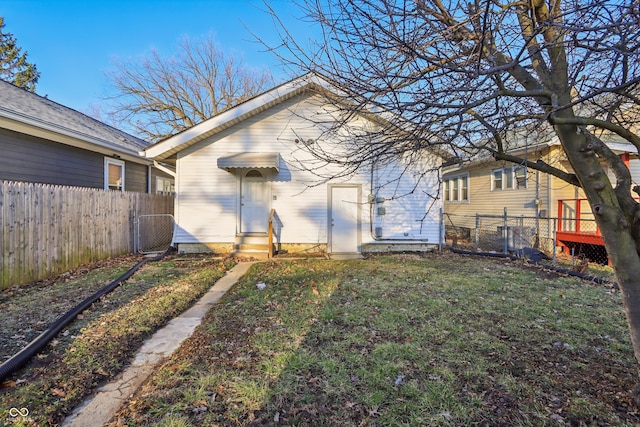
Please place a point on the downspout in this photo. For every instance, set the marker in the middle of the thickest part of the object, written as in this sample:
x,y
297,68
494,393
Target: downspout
x,y
149,176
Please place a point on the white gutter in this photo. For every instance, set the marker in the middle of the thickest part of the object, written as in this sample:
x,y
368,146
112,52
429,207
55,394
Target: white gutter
x,y
61,130
164,168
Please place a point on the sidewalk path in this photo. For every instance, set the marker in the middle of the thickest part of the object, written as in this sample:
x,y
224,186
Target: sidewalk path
x,y
103,405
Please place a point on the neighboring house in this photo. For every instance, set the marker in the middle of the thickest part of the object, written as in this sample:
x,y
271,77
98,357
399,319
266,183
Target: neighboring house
x,y
45,142
250,164
488,187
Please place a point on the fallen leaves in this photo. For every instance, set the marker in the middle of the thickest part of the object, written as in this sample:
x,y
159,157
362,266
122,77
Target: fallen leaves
x,y
58,392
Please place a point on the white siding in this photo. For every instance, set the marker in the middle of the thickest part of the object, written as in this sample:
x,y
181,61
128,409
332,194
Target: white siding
x,y
207,197
411,204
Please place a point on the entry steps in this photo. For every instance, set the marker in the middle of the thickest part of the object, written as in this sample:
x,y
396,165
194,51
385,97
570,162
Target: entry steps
x,y
251,245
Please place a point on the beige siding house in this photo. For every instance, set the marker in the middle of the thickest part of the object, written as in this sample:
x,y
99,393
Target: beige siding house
x,y
492,186
248,173
532,200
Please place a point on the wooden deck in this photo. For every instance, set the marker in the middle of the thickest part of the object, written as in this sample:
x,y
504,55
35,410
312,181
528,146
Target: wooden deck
x,y
577,234
579,237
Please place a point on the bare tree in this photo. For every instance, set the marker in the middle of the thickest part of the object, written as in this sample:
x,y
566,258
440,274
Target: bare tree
x,y
487,75
158,96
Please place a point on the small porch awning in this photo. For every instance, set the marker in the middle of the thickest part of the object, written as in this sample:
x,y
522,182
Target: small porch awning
x,y
250,161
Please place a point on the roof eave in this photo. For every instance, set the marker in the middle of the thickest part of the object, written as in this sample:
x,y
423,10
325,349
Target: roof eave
x,y
41,129
169,147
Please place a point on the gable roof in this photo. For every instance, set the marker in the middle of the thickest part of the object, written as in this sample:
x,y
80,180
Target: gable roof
x,y
530,144
166,148
311,82
25,112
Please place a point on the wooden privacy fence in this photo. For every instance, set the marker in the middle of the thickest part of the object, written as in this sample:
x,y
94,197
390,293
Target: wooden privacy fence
x,y
47,229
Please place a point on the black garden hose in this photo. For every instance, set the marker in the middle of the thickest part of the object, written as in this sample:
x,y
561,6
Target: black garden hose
x,y
24,355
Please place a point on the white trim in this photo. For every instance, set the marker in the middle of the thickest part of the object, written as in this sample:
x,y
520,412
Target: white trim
x,y
458,179
109,161
248,108
80,139
164,169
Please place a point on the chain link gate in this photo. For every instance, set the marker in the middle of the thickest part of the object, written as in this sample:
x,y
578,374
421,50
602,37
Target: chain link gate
x,y
153,233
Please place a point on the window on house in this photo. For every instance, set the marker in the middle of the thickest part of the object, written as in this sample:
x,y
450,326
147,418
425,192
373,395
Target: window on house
x,y
113,174
496,177
464,187
165,186
521,176
456,189
509,178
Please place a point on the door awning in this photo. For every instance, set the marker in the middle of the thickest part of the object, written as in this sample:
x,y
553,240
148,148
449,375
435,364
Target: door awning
x,y
250,161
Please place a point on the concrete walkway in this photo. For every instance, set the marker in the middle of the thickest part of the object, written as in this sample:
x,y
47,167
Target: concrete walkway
x,y
103,405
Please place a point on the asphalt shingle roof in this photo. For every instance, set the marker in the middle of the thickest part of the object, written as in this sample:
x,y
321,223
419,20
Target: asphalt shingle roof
x,y
26,106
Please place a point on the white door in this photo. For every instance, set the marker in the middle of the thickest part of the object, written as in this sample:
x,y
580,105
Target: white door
x,y
344,219
254,203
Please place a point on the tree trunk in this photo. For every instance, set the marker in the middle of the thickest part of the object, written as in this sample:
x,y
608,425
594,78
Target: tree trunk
x,y
616,229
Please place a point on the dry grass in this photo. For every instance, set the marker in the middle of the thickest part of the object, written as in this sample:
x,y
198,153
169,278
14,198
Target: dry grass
x,y
402,341
102,340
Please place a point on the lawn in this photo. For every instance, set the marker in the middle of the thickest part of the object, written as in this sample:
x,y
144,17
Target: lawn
x,y
101,341
400,340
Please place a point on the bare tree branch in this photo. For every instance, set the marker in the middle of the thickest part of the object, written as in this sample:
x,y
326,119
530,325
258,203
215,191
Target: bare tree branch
x,y
488,76
157,96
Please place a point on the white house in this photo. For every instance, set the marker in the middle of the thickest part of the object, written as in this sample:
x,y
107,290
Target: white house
x,y
251,169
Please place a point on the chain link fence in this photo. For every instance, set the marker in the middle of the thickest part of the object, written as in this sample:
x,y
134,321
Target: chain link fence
x,y
153,233
573,242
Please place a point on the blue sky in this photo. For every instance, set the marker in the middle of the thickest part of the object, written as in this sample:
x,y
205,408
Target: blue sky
x,y
73,42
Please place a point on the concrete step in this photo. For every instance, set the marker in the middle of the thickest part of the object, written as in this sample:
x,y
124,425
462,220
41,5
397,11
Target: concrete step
x,y
252,238
252,245
255,254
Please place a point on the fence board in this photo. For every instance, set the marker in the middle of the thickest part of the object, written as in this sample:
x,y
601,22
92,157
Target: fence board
x,y
50,229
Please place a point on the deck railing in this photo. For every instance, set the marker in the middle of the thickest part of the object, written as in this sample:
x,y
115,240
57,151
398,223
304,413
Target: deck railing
x,y
575,216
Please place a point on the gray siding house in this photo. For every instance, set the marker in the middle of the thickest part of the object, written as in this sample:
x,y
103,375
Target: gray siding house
x,y
42,141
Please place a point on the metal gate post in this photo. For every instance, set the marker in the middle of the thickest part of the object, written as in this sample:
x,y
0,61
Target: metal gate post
x,y
555,241
505,232
477,231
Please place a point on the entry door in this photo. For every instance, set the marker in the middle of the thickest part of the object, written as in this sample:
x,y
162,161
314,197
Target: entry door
x,y
254,203
344,219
